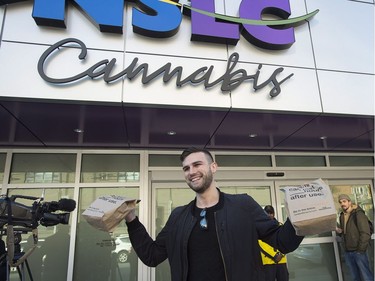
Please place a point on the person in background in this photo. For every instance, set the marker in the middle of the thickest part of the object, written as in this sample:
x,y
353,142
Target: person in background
x,y
355,230
55,253
274,261
215,236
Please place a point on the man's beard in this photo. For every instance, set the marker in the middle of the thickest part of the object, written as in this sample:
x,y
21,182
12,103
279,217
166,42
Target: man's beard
x,y
207,180
346,209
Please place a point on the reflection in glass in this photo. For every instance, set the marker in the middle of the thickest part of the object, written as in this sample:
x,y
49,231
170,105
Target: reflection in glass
x,y
350,161
166,200
244,160
43,168
312,262
110,168
300,161
49,260
164,160
2,166
261,194
100,255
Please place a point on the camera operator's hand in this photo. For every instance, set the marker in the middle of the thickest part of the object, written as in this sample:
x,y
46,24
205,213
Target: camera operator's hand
x,y
130,216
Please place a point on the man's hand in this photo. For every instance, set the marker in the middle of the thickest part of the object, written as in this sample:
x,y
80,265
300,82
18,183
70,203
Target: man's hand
x,y
338,230
130,216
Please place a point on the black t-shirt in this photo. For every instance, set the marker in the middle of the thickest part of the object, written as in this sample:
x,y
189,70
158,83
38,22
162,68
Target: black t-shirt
x,y
205,259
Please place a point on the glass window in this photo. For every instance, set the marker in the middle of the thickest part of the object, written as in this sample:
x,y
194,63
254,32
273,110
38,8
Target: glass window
x,y
342,161
162,160
101,255
312,262
43,168
166,200
49,260
360,195
244,160
261,194
300,161
2,166
169,198
110,168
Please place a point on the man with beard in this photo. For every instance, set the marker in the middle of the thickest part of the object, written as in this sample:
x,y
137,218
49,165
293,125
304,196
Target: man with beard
x,y
355,231
214,237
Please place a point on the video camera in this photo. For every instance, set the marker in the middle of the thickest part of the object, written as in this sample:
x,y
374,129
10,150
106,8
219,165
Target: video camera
x,y
29,217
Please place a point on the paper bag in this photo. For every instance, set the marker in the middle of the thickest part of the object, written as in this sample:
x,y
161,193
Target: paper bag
x,y
107,212
310,208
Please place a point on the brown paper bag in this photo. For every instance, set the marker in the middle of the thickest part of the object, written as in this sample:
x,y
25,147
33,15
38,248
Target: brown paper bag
x,y
107,212
310,208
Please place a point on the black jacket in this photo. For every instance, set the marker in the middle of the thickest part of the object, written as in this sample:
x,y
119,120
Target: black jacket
x,y
239,224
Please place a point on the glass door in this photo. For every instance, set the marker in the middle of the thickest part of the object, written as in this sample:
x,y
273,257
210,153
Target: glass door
x,y
315,258
320,257
362,195
169,195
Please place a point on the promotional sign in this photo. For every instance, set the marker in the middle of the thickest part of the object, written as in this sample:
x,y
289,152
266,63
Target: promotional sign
x,y
161,19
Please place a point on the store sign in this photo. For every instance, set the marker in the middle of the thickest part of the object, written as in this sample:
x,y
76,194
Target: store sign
x,y
230,80
162,18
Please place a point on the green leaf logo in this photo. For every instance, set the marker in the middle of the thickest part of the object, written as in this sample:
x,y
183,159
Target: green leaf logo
x,y
281,23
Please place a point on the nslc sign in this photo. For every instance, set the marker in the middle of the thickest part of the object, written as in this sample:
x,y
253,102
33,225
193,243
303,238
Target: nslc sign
x,y
155,18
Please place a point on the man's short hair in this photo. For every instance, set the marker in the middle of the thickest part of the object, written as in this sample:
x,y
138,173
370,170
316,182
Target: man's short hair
x,y
191,150
269,209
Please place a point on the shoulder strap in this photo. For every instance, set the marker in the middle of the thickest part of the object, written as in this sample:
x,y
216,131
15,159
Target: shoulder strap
x,y
355,219
266,254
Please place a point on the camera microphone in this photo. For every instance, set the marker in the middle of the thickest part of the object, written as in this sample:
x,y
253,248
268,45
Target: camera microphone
x,y
67,205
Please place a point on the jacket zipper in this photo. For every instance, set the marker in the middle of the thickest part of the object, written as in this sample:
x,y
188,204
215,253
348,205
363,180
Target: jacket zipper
x,y
221,251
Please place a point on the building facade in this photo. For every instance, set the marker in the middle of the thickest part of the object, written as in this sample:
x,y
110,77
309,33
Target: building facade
x,y
100,98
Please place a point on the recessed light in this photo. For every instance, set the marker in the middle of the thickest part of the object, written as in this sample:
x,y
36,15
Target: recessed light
x,y
171,133
78,131
253,135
